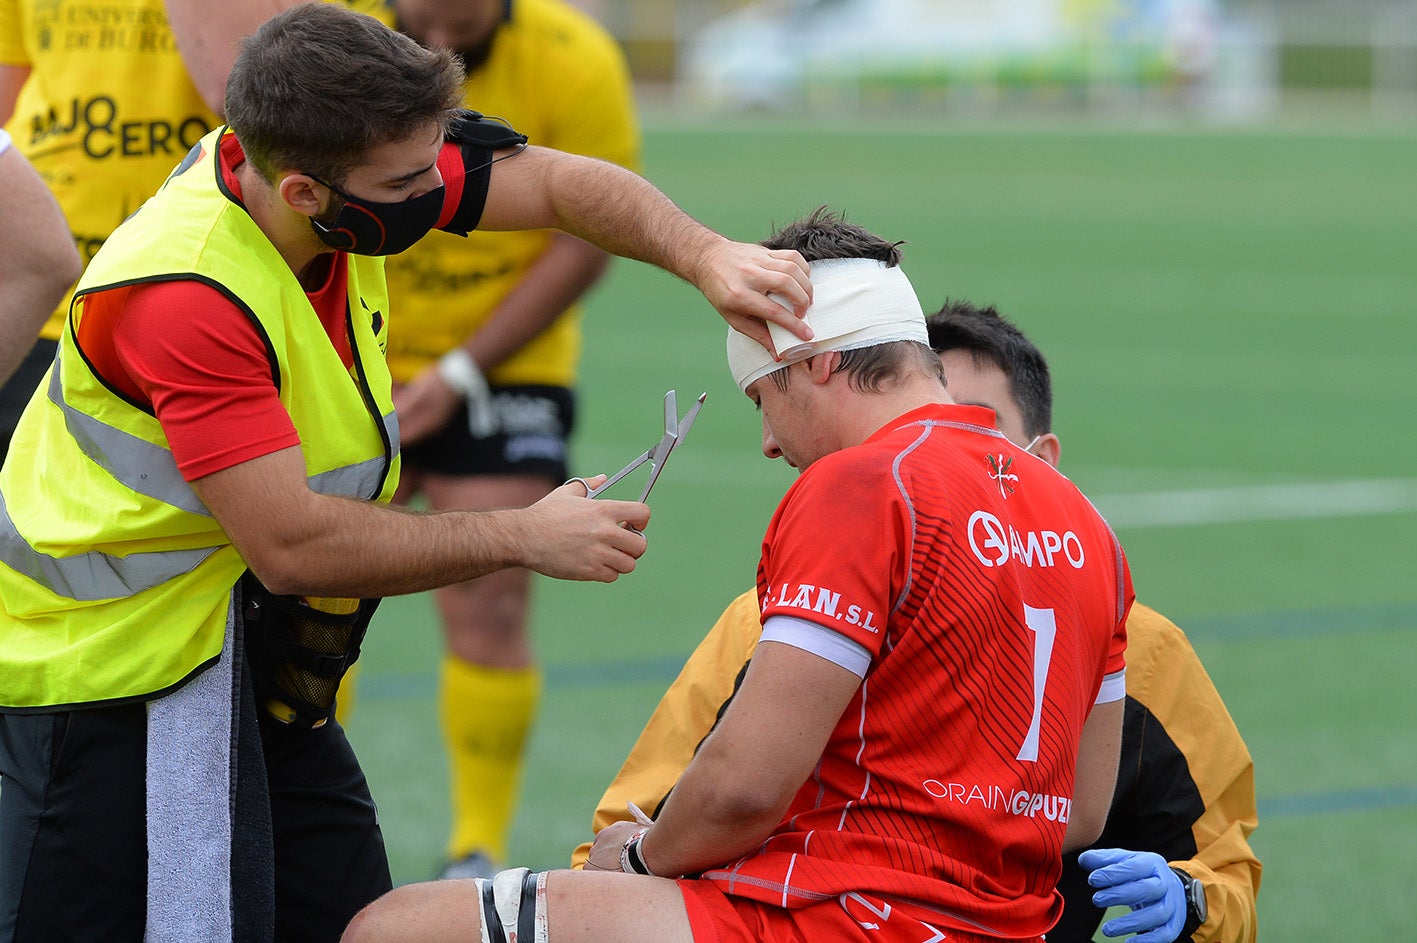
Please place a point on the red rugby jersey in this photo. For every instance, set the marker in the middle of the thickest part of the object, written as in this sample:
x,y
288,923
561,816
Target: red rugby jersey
x,y
992,597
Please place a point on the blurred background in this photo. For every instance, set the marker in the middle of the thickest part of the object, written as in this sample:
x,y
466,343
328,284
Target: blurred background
x,y
1239,60
1204,213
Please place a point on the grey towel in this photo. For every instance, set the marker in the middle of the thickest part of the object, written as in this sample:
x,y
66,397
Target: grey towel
x,y
210,870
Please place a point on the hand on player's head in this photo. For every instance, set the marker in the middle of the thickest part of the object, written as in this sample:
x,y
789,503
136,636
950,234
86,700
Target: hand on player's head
x,y
739,277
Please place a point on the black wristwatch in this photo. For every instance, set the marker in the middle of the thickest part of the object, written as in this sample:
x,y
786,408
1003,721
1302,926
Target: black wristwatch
x,y
1195,904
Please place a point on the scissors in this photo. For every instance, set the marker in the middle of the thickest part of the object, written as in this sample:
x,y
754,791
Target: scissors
x,y
674,431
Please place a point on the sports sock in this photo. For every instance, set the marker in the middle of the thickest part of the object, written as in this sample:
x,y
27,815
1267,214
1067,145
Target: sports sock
x,y
486,715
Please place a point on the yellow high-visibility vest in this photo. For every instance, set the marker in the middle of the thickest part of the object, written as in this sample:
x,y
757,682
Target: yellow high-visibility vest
x,y
115,580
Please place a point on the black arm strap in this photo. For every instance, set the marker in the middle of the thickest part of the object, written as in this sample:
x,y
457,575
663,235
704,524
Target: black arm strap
x,y
475,128
479,138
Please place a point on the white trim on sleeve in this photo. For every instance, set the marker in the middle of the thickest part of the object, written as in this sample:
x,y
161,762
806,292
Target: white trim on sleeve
x,y
1114,688
819,640
4,140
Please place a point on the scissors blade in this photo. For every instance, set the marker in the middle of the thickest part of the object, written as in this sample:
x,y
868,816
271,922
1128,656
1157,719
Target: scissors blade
x,y
674,432
655,454
691,415
636,462
671,414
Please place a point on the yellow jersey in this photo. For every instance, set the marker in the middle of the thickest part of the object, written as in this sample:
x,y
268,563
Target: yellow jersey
x,y
107,111
555,75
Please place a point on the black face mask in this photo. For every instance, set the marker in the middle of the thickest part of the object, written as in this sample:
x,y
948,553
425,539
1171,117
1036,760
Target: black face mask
x,y
364,227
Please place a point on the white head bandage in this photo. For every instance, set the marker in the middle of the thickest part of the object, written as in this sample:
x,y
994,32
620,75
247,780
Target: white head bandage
x,y
855,303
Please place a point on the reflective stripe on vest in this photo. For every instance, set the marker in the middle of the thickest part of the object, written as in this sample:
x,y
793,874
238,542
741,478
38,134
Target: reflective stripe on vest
x,y
92,576
150,470
142,466
362,479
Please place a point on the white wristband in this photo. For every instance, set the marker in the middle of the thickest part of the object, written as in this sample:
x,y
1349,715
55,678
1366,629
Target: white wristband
x,y
460,372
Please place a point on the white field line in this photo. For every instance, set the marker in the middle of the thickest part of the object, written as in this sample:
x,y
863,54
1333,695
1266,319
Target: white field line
x,y
1182,507
1185,508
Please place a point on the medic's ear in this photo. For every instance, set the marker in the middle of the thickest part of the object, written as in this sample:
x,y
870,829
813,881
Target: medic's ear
x,y
301,193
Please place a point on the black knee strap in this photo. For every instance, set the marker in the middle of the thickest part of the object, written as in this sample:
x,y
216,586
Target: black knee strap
x,y
526,917
491,920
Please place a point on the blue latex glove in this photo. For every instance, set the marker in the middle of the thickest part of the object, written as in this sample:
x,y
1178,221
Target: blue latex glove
x,y
1142,881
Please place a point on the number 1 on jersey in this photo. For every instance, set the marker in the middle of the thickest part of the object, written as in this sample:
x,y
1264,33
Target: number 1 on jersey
x,y
1045,629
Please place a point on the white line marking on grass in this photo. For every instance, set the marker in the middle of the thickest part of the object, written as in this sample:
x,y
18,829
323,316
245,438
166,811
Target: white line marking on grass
x,y
734,469
1185,508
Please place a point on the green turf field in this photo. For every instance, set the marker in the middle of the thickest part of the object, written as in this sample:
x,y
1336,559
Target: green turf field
x,y
1230,320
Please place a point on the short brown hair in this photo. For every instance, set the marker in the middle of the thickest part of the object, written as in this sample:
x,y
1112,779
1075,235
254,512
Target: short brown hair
x,y
314,88
825,234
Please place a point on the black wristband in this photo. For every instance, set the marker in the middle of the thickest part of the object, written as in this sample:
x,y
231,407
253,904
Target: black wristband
x,y
1195,904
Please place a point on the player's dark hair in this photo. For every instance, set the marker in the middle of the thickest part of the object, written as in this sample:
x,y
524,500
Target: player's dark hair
x,y
992,338
825,234
317,86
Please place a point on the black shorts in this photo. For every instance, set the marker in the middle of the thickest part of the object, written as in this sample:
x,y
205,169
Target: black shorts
x,y
534,423
73,856
15,394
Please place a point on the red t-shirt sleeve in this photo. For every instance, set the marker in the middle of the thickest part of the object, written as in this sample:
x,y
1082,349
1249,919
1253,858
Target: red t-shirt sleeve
x,y
207,378
805,572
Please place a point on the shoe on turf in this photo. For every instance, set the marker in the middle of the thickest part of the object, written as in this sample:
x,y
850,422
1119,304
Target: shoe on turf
x,y
475,865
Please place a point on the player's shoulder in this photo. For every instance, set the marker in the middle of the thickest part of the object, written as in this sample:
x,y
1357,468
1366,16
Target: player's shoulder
x,y
830,488
1063,496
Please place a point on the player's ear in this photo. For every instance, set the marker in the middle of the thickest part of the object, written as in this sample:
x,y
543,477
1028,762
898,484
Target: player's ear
x,y
820,367
1048,448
